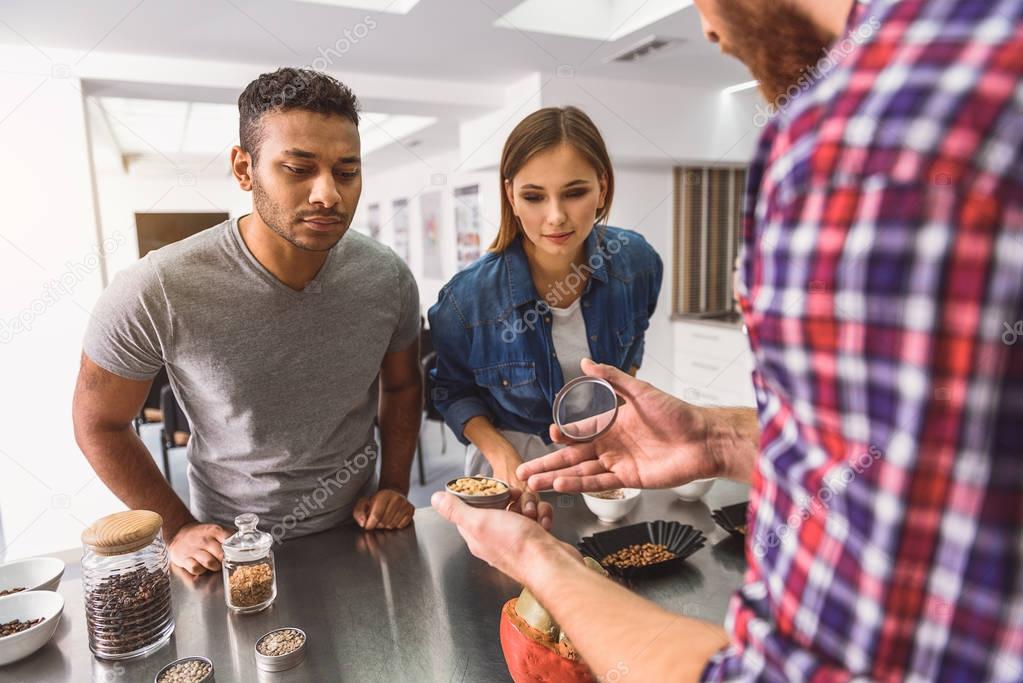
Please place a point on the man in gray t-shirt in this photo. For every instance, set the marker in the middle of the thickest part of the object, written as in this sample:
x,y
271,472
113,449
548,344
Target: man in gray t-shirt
x,y
282,333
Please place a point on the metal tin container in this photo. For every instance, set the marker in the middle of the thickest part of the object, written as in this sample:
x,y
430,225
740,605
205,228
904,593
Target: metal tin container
x,y
281,662
209,678
497,501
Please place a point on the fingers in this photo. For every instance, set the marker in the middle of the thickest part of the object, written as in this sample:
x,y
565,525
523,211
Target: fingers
x,y
623,382
584,473
528,504
596,482
213,542
192,566
450,508
361,512
545,515
207,560
377,509
405,520
395,509
560,459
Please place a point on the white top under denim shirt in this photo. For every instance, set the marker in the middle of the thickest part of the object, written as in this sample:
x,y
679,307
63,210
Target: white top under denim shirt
x,y
568,330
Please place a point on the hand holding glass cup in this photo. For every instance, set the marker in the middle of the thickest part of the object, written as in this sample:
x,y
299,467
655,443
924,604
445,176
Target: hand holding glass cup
x,y
585,408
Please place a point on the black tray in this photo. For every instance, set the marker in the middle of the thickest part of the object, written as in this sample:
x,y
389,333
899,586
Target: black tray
x,y
681,539
731,517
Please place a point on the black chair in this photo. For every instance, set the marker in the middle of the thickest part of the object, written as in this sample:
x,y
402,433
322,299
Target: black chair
x,y
150,412
430,412
176,430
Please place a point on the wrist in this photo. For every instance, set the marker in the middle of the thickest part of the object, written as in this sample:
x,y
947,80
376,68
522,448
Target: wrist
x,y
549,562
728,442
504,462
174,526
397,487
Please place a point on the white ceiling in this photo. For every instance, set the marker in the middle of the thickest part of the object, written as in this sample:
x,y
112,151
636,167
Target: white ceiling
x,y
437,39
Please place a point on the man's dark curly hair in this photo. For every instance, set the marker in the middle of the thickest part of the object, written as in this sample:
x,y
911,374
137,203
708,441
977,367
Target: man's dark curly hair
x,y
286,89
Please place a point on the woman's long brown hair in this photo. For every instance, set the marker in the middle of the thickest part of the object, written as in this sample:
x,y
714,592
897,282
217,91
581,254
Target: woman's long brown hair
x,y
540,131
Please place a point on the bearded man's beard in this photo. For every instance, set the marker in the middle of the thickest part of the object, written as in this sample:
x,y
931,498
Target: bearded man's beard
x,y
776,40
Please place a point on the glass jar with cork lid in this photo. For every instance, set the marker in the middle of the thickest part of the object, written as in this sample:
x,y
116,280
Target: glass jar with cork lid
x,y
250,576
126,583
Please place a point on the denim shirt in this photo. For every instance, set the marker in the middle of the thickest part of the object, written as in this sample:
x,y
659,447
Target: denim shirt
x,y
492,331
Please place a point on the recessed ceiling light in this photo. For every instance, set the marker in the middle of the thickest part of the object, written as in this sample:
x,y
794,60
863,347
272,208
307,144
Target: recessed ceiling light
x,y
608,20
739,87
389,6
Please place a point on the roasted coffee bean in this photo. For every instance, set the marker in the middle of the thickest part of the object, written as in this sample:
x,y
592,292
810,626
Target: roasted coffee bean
x,y
12,627
11,591
638,555
128,611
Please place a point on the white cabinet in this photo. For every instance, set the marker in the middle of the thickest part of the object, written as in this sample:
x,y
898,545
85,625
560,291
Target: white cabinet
x,y
713,364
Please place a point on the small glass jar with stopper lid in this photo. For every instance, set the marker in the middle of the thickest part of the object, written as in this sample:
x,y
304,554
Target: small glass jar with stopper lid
x,y
250,576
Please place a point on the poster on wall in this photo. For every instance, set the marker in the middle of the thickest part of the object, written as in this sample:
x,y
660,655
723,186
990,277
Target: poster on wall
x,y
374,221
467,224
401,221
430,210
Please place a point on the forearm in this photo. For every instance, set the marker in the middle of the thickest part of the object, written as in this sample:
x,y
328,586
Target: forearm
x,y
400,413
616,630
498,451
733,439
124,464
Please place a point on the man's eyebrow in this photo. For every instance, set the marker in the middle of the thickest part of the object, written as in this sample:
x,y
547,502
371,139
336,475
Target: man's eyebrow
x,y
303,154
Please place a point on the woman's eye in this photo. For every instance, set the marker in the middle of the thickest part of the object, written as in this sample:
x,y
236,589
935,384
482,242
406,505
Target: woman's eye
x,y
532,197
578,193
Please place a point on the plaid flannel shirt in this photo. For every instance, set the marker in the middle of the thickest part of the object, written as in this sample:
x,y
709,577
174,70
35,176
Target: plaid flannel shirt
x,y
882,288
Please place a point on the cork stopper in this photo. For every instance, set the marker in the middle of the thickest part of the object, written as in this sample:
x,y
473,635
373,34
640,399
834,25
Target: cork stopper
x,y
122,532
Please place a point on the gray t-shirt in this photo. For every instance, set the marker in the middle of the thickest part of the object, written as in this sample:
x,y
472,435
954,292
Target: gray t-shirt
x,y
280,387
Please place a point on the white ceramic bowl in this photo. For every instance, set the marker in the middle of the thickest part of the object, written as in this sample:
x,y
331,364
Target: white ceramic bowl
x,y
26,606
611,510
32,574
694,490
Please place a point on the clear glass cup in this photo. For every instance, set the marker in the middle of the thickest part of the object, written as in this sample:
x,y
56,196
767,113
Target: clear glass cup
x,y
250,575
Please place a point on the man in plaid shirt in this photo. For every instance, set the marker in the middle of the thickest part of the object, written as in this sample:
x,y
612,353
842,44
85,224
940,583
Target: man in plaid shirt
x,y
882,286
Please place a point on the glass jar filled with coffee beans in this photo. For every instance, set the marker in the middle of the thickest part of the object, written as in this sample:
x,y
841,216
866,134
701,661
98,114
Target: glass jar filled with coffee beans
x,y
126,582
250,577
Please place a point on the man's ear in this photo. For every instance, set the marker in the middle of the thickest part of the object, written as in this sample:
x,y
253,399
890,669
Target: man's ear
x,y
241,167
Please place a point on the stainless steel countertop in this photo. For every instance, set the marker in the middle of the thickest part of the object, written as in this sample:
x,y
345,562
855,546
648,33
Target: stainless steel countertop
x,y
411,605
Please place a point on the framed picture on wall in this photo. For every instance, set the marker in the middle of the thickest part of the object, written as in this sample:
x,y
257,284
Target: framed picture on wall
x,y
374,221
430,208
467,224
401,225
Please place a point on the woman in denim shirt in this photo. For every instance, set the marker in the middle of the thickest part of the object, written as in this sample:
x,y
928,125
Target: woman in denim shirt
x,y
503,348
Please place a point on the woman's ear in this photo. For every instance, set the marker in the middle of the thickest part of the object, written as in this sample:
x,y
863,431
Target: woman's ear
x,y
603,192
509,194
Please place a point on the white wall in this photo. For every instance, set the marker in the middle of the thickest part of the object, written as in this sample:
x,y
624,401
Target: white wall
x,y
50,277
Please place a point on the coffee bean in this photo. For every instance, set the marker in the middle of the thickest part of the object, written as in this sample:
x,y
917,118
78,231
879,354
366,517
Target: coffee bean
x,y
281,642
11,591
191,671
127,611
12,627
638,555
